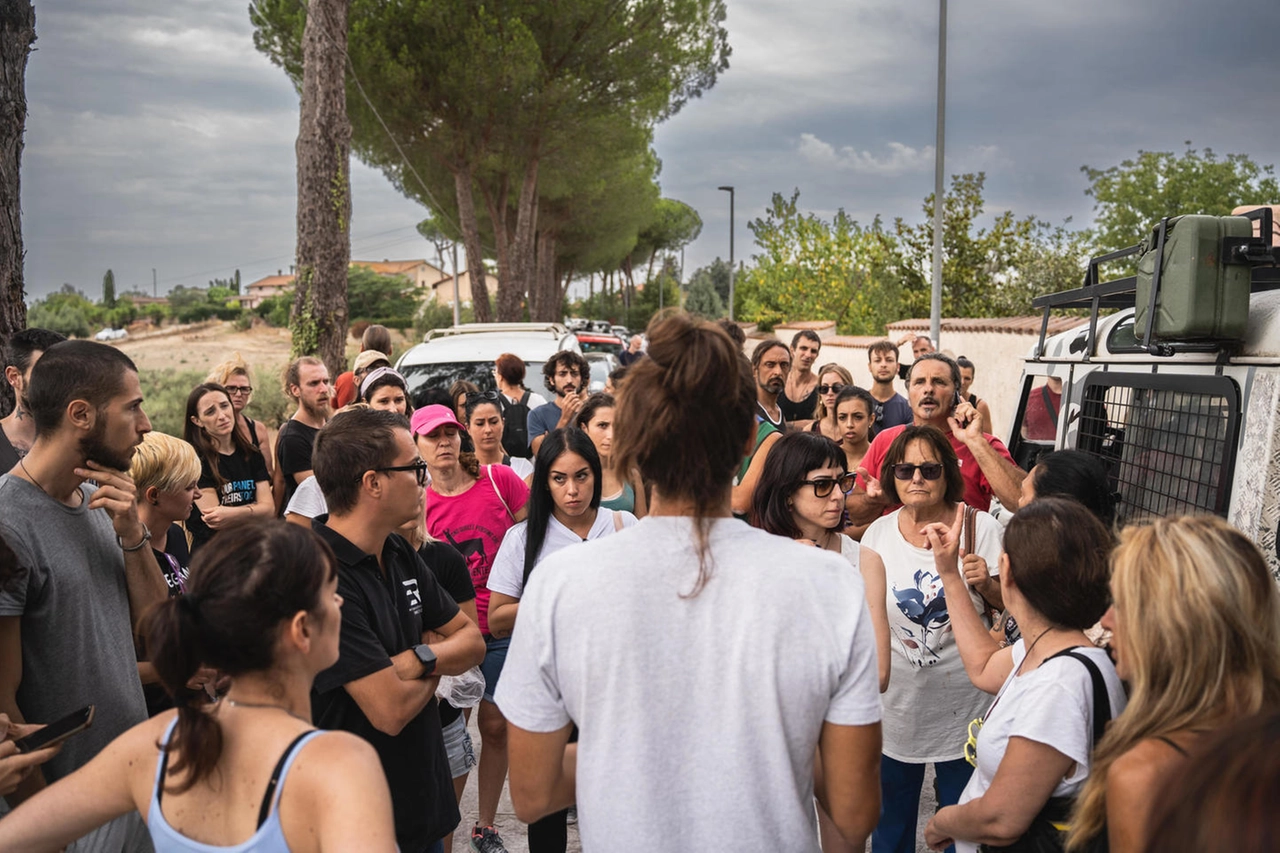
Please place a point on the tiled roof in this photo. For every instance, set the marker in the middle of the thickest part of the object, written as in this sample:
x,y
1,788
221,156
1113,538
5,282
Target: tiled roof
x,y
272,281
1009,325
812,325
390,267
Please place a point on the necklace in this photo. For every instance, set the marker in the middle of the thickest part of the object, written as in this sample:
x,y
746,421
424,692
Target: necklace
x,y
235,704
22,464
1032,647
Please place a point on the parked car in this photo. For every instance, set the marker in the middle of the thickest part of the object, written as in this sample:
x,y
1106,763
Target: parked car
x,y
469,352
111,335
591,342
602,364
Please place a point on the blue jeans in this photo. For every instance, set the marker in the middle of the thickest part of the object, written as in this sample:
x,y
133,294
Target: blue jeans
x,y
900,784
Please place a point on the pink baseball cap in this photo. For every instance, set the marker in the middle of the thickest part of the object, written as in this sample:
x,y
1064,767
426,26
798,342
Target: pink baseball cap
x,y
429,418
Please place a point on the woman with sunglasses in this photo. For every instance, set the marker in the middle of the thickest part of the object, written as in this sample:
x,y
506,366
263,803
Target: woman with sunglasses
x,y
929,697
832,379
564,511
621,492
235,376
801,496
483,418
472,507
1054,690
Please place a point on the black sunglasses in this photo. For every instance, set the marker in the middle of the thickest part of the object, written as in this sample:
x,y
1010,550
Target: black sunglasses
x,y
478,396
907,471
833,388
419,468
823,485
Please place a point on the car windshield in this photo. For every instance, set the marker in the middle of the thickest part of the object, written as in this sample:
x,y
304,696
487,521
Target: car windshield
x,y
423,377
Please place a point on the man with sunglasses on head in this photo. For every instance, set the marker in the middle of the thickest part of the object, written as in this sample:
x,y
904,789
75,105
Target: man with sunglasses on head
x,y
933,390
400,630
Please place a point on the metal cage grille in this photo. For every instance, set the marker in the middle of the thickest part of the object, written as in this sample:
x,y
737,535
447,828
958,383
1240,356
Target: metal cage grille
x,y
1168,441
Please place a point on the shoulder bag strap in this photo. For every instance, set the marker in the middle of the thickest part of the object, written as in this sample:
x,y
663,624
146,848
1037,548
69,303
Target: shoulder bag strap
x,y
489,470
970,535
1101,699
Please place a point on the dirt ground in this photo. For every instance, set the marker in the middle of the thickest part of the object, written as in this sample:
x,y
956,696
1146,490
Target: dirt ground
x,y
266,349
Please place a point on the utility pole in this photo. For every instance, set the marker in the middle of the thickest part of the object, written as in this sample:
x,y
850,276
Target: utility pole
x,y
935,310
729,190
457,309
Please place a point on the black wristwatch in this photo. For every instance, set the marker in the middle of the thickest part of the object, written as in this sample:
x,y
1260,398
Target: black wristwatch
x,y
428,658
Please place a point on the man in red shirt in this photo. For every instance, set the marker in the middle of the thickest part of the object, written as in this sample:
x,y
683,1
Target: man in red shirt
x,y
933,391
346,388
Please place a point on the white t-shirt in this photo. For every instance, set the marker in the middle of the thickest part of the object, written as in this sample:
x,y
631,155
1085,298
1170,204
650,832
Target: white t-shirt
x,y
930,699
698,713
507,574
523,467
307,501
1053,705
851,551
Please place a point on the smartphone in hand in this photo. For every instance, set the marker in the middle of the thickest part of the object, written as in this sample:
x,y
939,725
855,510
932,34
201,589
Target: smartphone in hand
x,y
57,731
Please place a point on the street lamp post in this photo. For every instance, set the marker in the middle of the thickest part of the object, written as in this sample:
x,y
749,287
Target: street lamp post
x,y
729,190
935,308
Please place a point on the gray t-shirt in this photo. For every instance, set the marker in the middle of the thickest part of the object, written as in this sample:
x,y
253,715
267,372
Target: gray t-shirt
x,y
698,714
77,640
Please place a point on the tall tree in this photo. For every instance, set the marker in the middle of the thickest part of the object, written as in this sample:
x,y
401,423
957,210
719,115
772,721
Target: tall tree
x,y
17,33
109,290
319,317
1132,198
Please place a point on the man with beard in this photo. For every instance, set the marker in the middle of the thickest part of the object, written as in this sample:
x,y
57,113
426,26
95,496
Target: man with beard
x,y
306,380
800,395
17,430
565,374
400,630
770,364
67,625
985,464
892,409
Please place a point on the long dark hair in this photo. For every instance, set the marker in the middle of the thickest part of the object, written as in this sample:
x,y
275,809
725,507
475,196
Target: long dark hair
x,y
195,435
1077,475
541,506
264,573
788,463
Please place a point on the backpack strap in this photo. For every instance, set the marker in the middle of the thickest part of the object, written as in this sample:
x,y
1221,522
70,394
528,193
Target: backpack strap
x,y
489,470
1101,699
524,398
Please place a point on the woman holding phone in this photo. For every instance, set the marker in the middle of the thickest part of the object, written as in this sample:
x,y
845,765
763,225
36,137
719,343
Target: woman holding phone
x,y
264,609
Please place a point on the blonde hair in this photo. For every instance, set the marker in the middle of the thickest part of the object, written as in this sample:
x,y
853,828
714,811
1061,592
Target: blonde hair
x,y
170,464
1199,634
820,410
234,366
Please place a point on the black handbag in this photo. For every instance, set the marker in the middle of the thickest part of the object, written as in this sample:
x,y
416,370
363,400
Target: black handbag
x,y
1048,830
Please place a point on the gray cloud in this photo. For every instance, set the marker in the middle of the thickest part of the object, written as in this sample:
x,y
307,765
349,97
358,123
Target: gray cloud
x,y
158,137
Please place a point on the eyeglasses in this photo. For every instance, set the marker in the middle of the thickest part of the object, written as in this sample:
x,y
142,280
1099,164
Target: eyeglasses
x,y
907,471
480,396
833,388
239,389
971,745
419,468
823,485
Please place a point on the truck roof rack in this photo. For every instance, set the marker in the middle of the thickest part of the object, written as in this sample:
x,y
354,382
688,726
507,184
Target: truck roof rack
x,y
1095,295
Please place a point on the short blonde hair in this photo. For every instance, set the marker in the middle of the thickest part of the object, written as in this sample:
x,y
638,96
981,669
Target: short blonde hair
x,y
234,366
168,463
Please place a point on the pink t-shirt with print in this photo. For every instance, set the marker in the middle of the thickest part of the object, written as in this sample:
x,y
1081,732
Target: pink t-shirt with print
x,y
475,521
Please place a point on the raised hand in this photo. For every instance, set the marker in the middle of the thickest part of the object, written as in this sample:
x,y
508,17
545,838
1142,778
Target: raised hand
x,y
944,541
874,490
118,496
966,422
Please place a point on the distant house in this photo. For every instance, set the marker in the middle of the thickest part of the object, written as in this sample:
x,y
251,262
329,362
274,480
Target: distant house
x,y
265,288
442,290
435,283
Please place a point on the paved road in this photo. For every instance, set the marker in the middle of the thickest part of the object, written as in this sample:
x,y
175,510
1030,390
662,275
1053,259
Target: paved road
x,y
513,831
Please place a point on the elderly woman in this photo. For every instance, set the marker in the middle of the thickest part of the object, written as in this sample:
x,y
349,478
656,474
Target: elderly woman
x,y
1055,692
1195,661
929,699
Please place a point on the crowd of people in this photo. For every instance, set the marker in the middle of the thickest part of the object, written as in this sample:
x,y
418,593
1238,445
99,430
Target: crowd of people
x,y
731,601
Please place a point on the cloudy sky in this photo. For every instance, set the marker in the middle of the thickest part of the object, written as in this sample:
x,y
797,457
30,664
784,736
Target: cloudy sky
x,y
158,138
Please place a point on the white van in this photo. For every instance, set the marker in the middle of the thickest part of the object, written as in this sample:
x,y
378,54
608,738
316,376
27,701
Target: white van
x,y
1183,426
470,350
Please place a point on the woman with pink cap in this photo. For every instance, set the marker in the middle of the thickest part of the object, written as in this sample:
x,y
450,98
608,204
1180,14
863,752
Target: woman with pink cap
x,y
471,506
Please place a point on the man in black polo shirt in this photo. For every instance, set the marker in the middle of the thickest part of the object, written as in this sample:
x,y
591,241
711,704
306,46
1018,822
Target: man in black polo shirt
x,y
400,630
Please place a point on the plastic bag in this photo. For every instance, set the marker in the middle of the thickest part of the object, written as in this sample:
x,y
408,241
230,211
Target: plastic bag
x,y
462,691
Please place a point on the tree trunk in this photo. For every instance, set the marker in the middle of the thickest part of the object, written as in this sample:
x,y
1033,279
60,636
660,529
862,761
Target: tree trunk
x,y
544,282
471,241
497,207
324,189
524,277
17,32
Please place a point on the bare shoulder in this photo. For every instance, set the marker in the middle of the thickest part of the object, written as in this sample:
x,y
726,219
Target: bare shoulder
x,y
352,753
1143,767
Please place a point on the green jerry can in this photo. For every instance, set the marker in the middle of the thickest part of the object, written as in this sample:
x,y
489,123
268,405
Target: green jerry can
x,y
1201,298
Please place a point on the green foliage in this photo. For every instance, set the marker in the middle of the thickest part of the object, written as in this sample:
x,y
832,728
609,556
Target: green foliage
x,y
438,315
109,290
164,397
1133,197
275,309
819,270
717,275
197,304
702,298
124,313
391,300
68,312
